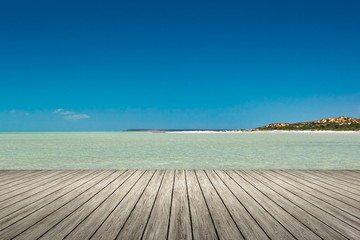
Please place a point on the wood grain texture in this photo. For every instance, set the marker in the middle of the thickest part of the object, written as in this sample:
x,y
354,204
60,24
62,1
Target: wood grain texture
x,y
158,222
36,202
275,220
95,219
136,222
6,175
329,192
330,220
202,223
314,200
45,224
328,198
223,220
179,204
180,220
16,228
20,178
66,225
243,219
32,187
313,223
339,188
112,225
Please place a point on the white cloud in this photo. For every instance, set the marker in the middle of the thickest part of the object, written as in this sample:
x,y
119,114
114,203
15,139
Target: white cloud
x,y
12,111
70,115
77,116
58,110
66,113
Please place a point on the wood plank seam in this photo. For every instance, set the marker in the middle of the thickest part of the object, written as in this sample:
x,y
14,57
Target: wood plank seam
x,y
315,196
332,183
147,184
188,200
345,181
207,205
100,204
306,211
172,195
327,188
71,173
21,178
20,181
25,192
15,188
342,175
85,202
49,203
276,204
222,200
235,203
116,205
318,189
61,205
48,194
152,207
242,205
311,203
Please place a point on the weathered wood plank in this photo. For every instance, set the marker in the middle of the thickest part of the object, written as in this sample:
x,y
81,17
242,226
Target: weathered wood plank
x,y
135,224
180,223
27,178
32,192
329,192
316,225
157,227
31,181
314,200
110,228
35,187
329,198
16,228
202,224
338,178
320,182
6,175
23,209
223,221
66,225
45,224
331,221
20,179
344,174
243,219
95,219
273,217
168,204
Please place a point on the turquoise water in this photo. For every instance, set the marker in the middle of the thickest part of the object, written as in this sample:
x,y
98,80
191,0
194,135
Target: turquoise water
x,y
142,150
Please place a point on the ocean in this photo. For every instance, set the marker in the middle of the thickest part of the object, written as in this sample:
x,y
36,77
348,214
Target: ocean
x,y
146,150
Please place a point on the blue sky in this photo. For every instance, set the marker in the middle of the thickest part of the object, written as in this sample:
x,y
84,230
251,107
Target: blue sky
x,y
113,65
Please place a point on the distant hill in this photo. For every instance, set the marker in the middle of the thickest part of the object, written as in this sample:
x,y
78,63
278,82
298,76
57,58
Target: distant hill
x,y
337,124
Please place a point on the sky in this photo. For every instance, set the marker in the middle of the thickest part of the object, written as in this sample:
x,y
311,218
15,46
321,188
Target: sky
x,y
113,65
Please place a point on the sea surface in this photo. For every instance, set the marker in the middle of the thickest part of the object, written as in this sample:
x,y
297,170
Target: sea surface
x,y
146,150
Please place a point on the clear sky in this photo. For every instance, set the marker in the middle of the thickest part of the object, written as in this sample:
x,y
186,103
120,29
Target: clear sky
x,y
113,65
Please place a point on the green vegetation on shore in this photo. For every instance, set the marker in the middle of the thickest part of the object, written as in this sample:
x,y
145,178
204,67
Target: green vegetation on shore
x,y
334,124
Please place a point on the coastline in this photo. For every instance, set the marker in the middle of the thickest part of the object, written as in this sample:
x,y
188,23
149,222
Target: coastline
x,y
268,131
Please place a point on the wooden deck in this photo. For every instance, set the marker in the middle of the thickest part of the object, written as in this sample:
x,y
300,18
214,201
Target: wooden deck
x,y
109,204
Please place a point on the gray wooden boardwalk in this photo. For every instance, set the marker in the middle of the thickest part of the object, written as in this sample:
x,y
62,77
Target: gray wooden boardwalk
x,y
159,204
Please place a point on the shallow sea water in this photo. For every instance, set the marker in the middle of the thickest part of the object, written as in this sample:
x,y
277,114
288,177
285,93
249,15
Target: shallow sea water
x,y
145,150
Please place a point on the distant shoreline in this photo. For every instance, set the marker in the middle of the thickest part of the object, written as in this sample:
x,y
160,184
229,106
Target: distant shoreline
x,y
188,131
266,131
